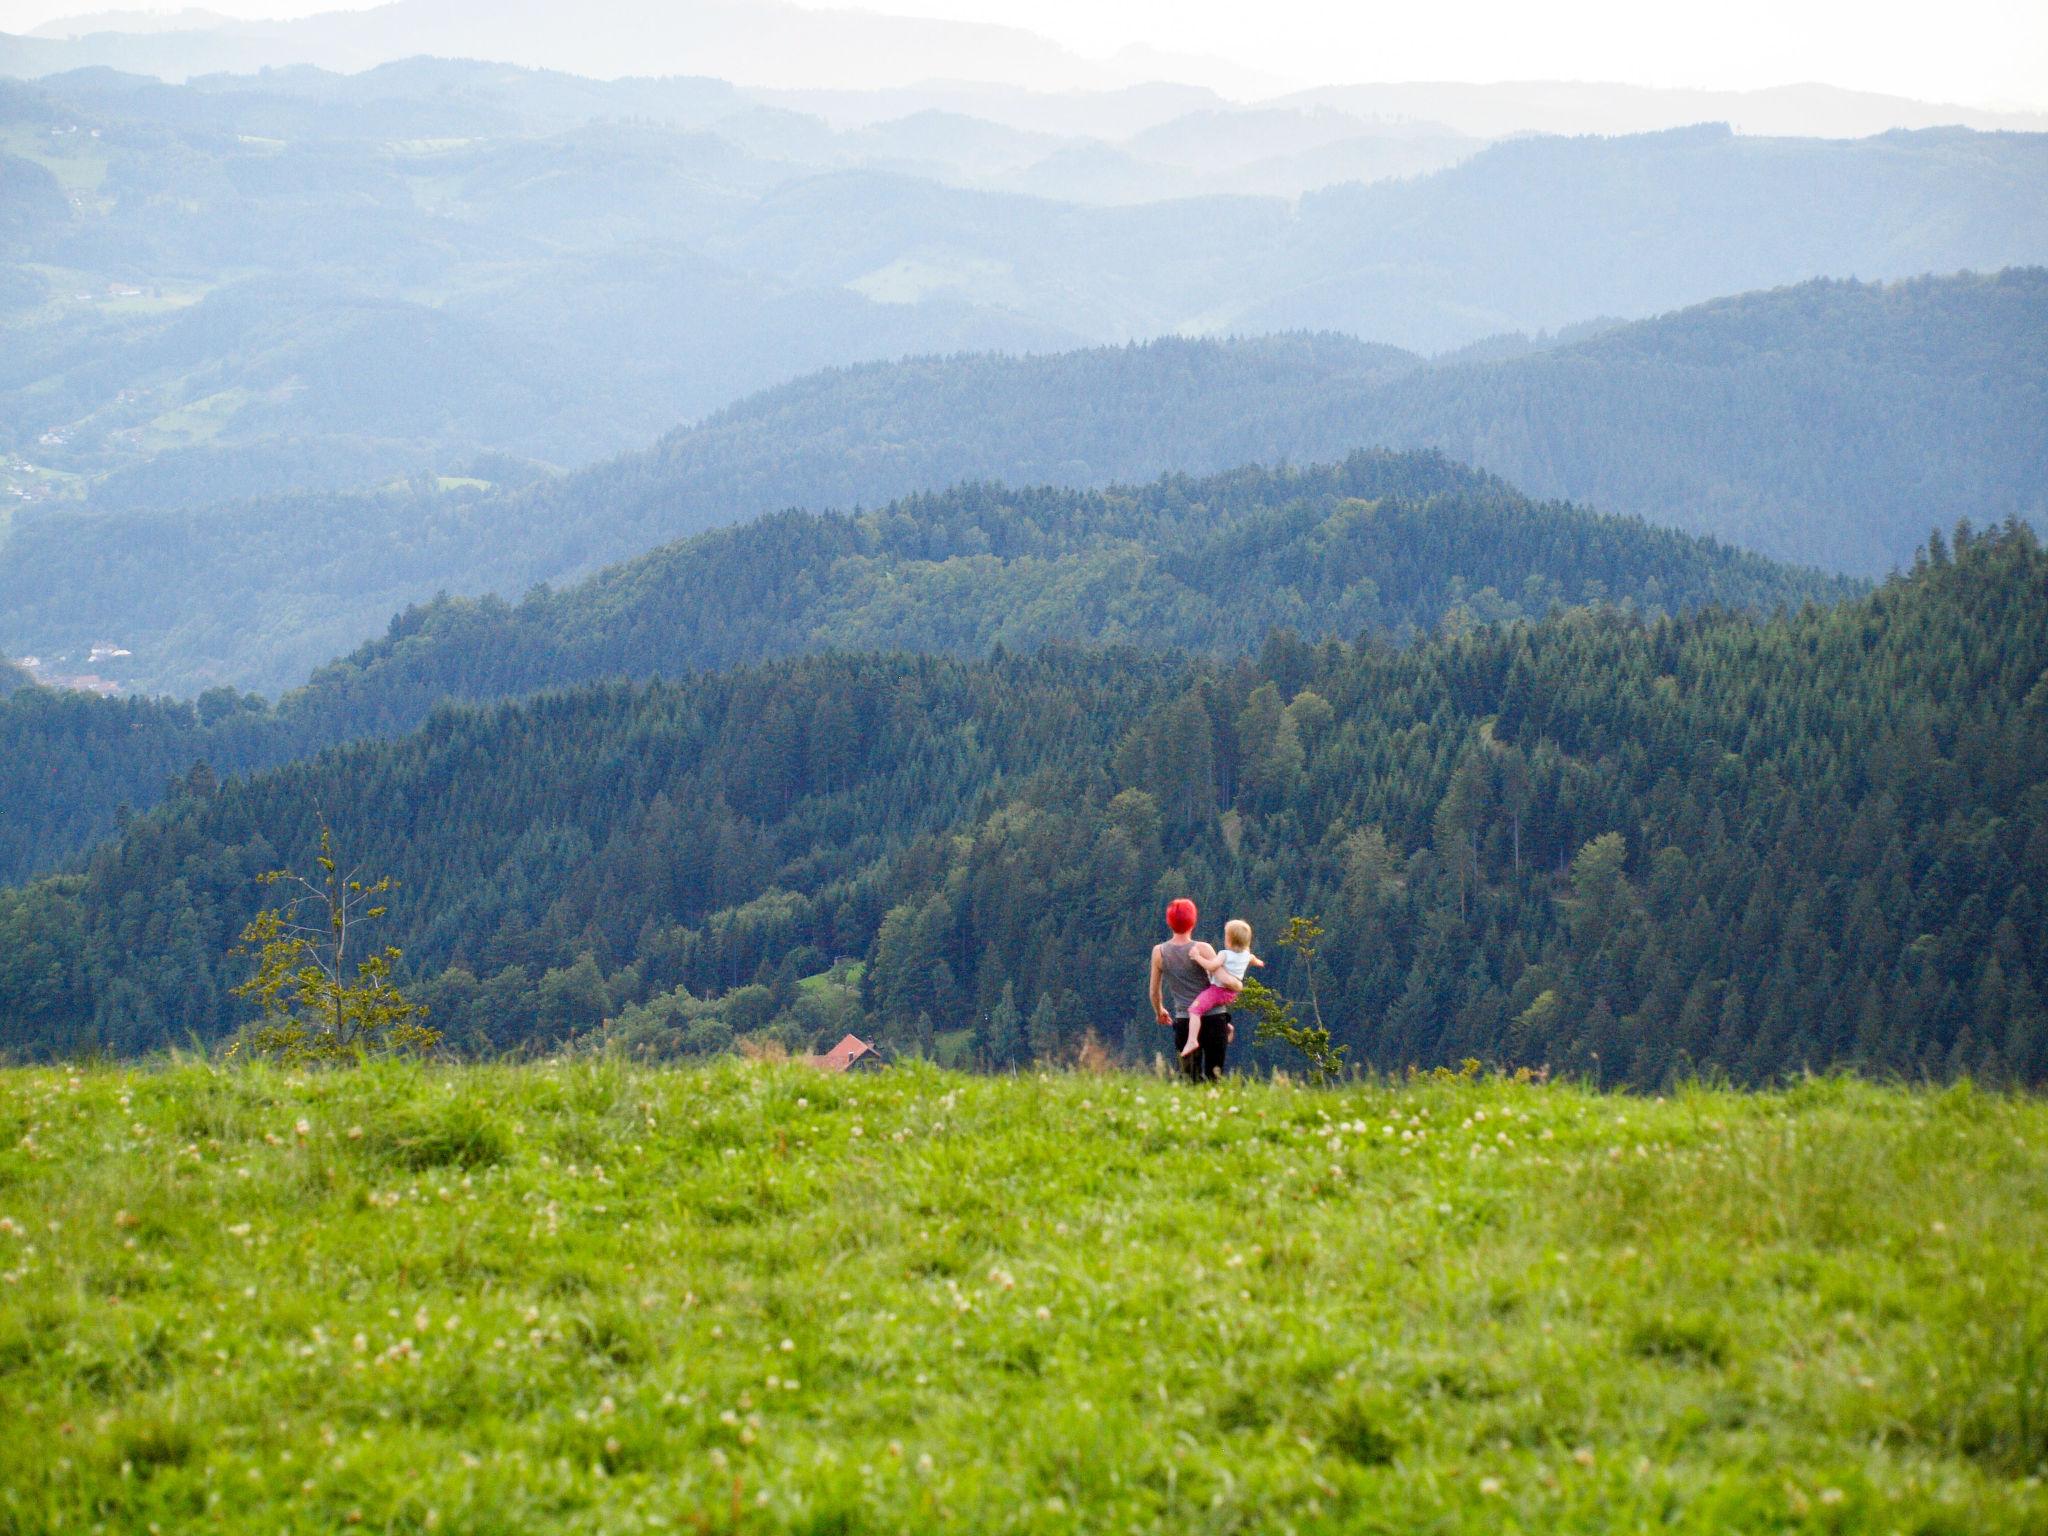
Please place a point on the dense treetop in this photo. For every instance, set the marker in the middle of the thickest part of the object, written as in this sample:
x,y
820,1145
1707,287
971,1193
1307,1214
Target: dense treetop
x,y
1633,849
1383,543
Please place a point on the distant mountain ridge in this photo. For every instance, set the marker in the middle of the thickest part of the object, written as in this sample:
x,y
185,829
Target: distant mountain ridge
x,y
1833,423
857,67
765,42
556,270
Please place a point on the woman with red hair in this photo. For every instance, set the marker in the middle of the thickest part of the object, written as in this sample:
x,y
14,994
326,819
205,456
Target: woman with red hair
x,y
1181,970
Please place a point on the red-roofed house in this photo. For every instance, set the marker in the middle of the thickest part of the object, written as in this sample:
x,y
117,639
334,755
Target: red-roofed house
x,y
852,1054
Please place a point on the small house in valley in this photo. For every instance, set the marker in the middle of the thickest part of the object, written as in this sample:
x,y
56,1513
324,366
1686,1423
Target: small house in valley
x,y
852,1054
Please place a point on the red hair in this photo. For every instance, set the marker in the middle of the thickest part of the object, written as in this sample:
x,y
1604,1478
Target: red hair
x,y
1181,915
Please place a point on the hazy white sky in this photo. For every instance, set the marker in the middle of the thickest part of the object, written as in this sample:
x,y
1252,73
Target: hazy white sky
x,y
1979,52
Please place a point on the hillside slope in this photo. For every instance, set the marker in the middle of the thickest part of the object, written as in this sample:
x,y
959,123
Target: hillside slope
x,y
1834,424
1713,843
585,1296
1383,543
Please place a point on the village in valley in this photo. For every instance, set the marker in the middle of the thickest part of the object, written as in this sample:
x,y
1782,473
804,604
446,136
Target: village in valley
x,y
76,675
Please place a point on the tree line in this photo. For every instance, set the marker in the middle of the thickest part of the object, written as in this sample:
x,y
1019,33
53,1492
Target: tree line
x,y
1632,848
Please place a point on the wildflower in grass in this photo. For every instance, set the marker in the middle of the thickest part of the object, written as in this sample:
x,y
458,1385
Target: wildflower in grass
x,y
303,1128
1489,1486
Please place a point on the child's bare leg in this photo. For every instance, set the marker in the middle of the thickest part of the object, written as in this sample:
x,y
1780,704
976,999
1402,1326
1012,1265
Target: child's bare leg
x,y
1194,1034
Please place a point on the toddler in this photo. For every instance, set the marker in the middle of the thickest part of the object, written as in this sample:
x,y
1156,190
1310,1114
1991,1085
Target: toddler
x,y
1236,958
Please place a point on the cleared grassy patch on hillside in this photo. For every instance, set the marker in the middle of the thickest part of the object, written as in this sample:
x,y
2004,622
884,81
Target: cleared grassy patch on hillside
x,y
594,1298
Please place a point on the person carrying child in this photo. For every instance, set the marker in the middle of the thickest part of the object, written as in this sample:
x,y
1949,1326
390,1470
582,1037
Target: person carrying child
x,y
1182,970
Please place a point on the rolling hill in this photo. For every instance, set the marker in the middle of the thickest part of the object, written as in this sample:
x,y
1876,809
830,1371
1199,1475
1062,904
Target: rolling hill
x,y
1831,423
585,264
1386,544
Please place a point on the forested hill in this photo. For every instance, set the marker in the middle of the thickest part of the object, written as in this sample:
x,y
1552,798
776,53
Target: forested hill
x,y
1384,543
1388,544
1832,423
1823,424
1714,842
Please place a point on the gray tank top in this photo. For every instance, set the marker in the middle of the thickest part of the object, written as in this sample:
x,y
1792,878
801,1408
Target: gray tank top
x,y
1183,980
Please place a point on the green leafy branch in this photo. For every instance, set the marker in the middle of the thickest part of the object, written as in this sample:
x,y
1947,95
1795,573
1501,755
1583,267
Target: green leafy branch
x,y
1274,1015
319,1002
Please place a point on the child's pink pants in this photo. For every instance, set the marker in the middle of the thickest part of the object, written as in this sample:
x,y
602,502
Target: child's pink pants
x,y
1209,999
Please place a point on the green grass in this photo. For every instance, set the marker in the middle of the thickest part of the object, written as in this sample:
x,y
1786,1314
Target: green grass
x,y
594,1298
848,974
77,160
197,420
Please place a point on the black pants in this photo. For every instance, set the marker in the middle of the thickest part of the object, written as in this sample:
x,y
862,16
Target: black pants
x,y
1206,1064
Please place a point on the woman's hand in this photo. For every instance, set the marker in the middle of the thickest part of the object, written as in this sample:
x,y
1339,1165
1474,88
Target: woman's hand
x,y
1165,1019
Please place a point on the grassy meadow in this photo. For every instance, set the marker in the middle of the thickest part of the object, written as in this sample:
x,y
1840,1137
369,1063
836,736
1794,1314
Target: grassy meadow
x,y
597,1298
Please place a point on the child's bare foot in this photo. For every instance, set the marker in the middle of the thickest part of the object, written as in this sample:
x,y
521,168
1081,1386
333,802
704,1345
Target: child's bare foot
x,y
1229,1033
1194,1038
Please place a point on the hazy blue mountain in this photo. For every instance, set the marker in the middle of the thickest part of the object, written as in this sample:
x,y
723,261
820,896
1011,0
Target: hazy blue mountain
x,y
602,261
1539,233
1506,107
1831,423
766,41
1110,115
264,592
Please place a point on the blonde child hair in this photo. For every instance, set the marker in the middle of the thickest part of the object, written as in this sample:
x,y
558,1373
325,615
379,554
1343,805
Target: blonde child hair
x,y
1237,933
